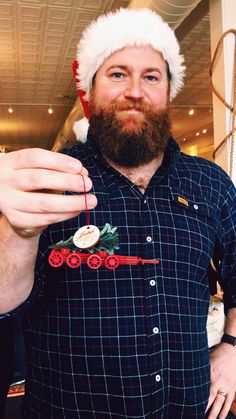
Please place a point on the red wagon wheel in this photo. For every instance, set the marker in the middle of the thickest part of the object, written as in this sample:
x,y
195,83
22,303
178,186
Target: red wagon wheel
x,y
73,260
94,261
55,258
111,262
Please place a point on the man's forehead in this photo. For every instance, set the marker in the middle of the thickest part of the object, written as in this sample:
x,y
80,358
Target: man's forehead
x,y
143,55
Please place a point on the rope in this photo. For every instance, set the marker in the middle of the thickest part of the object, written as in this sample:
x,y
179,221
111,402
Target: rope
x,y
231,108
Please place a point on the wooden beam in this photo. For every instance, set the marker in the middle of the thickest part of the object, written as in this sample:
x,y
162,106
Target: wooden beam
x,y
192,19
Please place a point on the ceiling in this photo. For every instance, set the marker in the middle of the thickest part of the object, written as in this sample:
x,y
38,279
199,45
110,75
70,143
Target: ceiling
x,y
37,47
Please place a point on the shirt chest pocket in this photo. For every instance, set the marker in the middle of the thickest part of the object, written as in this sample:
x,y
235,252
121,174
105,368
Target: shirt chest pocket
x,y
193,223
193,205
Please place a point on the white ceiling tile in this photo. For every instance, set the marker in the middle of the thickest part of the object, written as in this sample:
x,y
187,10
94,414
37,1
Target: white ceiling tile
x,y
49,58
28,66
69,3
6,24
62,15
52,50
34,2
7,56
30,48
6,73
92,4
6,36
85,16
56,27
6,9
47,66
6,45
30,12
30,37
30,25
54,39
31,57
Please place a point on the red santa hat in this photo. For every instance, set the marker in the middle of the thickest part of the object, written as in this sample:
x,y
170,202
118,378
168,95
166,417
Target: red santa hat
x,y
114,31
80,127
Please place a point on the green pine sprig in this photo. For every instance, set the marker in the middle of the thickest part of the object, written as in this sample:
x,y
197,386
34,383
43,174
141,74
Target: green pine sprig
x,y
108,241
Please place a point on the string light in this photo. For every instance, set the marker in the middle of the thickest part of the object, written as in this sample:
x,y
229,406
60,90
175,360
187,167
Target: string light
x,y
50,110
191,112
10,109
197,134
204,131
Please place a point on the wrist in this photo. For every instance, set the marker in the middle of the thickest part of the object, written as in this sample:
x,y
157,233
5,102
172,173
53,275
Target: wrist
x,y
229,339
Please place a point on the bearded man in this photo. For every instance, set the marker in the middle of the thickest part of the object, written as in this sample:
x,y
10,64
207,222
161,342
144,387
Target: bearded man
x,y
121,336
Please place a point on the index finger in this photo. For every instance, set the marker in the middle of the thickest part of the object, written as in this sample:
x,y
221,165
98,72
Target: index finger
x,y
40,158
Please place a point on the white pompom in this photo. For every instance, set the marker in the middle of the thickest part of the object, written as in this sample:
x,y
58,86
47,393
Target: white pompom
x,y
80,129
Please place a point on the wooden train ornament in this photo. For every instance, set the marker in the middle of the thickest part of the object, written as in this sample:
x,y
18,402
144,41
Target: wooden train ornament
x,y
93,260
100,254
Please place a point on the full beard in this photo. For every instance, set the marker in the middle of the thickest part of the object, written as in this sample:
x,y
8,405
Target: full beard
x,y
129,139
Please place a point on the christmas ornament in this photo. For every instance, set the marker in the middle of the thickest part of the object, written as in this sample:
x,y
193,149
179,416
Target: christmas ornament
x,y
100,246
101,253
86,237
108,241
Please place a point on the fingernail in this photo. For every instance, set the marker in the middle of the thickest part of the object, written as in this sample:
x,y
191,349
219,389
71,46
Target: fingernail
x,y
84,172
91,201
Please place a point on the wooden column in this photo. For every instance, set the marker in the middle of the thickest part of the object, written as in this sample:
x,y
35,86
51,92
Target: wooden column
x,y
223,18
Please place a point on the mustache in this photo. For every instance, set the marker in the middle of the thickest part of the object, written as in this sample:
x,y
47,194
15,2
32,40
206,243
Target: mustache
x,y
127,105
123,105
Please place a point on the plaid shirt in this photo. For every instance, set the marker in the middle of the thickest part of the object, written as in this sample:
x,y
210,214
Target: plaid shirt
x,y
132,342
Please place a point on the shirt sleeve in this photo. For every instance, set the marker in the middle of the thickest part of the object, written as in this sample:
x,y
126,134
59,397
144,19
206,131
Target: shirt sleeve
x,y
227,266
37,291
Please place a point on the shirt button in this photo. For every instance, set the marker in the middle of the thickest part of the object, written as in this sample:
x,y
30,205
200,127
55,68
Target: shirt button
x,y
152,282
155,330
145,201
195,206
149,239
158,378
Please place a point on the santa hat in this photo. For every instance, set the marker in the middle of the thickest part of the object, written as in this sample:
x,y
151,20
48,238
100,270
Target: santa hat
x,y
114,31
80,127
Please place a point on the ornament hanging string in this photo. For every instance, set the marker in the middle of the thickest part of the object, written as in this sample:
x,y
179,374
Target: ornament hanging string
x,y
87,236
86,203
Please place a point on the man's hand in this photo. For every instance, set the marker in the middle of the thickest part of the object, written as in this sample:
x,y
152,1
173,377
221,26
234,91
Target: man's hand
x,y
223,380
31,185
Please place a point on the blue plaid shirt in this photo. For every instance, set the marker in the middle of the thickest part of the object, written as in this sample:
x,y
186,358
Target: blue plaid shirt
x,y
132,342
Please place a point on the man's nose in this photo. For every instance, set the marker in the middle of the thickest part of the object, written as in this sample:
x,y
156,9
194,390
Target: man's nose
x,y
134,89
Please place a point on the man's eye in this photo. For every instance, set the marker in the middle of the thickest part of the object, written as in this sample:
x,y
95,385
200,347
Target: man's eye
x,y
117,75
150,77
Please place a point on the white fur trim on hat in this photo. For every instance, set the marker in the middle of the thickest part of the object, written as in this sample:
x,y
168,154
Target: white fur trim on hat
x,y
80,129
127,27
